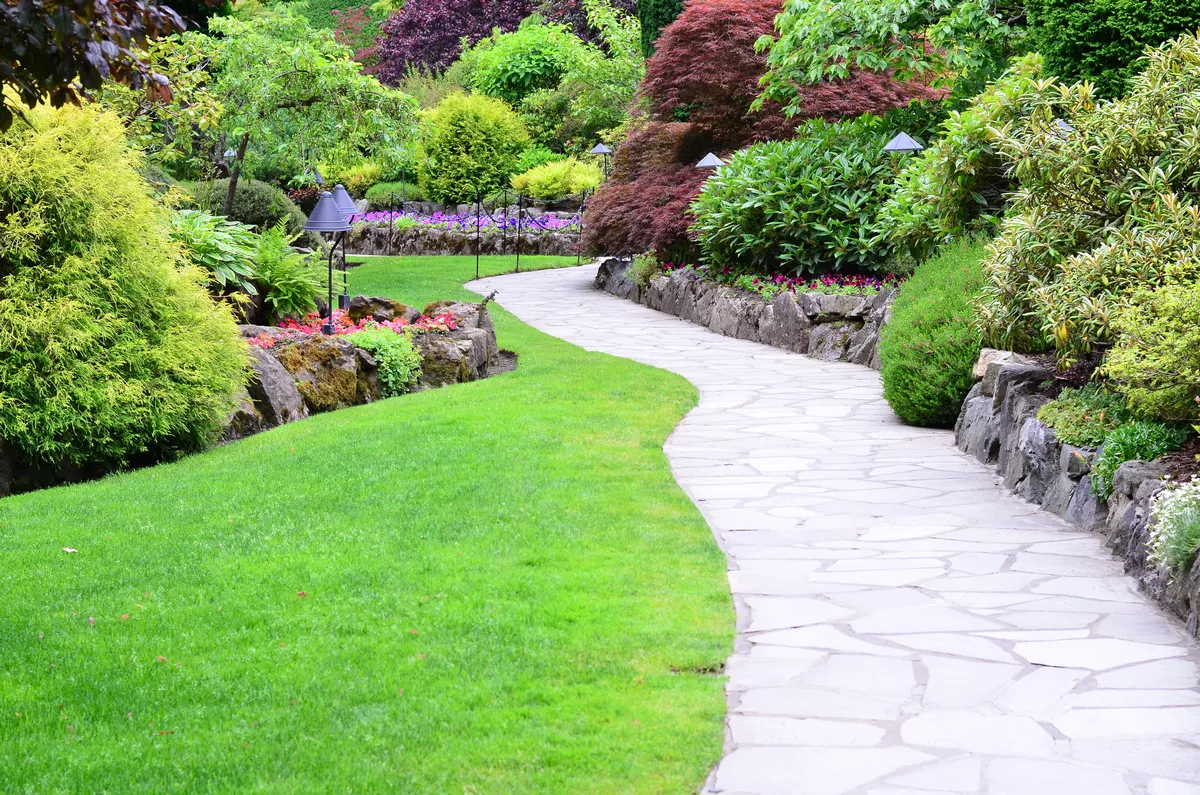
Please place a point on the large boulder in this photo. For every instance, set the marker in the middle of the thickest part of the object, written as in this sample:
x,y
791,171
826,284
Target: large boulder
x,y
328,371
273,391
444,360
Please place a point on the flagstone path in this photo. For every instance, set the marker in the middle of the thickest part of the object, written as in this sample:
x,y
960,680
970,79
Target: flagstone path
x,y
904,625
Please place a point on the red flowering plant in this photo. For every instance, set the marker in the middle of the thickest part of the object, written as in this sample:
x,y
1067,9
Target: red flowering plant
x,y
343,325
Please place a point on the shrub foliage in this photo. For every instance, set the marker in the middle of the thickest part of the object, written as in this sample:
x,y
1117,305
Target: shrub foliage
x,y
804,206
558,179
1141,440
472,145
698,91
1103,208
930,345
1100,41
112,350
1084,417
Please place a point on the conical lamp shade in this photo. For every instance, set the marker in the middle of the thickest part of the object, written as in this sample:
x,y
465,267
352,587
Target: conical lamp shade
x,y
710,161
326,217
344,202
601,149
903,143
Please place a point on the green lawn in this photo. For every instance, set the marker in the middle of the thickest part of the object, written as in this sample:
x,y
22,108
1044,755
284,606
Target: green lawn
x,y
495,587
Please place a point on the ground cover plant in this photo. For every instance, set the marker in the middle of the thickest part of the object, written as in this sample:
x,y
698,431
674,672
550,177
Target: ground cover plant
x,y
1175,525
1084,417
1140,440
400,596
930,345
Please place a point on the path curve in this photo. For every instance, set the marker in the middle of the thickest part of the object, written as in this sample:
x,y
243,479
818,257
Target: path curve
x,y
904,625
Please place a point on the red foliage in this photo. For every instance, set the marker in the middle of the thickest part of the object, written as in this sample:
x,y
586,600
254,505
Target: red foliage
x,y
699,87
352,27
428,33
572,13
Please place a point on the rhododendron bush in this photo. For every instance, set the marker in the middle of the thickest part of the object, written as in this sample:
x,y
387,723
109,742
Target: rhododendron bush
x,y
698,92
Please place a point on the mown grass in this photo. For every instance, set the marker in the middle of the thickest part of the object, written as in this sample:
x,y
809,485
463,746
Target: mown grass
x,y
495,587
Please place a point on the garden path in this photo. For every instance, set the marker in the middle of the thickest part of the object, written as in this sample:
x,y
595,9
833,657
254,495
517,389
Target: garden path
x,y
904,625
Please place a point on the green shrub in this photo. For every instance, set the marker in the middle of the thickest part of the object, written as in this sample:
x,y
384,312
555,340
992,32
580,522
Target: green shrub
x,y
287,280
113,351
957,186
1101,210
558,179
1156,360
807,205
398,359
1100,41
510,66
1084,417
643,268
223,249
1175,525
1141,440
358,179
930,345
387,193
534,156
472,144
255,203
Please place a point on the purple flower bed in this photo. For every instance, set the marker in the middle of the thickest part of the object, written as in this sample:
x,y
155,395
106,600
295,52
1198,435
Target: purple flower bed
x,y
465,222
773,285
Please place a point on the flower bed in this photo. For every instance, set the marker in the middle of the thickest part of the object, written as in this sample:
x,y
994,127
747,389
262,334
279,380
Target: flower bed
x,y
465,222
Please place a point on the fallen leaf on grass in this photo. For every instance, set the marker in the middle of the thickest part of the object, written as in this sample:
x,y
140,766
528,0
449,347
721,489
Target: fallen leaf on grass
x,y
302,594
125,617
68,550
91,621
164,731
162,658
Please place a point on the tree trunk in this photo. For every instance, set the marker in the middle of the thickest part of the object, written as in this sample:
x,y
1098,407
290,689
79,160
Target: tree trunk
x,y
235,172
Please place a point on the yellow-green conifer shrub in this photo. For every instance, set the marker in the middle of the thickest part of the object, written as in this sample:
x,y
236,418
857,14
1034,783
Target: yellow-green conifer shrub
x,y
112,350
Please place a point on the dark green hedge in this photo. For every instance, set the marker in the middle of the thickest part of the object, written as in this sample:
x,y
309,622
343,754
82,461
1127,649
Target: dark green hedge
x,y
930,345
654,16
1100,40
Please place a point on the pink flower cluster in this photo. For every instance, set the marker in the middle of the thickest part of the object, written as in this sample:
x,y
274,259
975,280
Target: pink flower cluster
x,y
836,281
342,324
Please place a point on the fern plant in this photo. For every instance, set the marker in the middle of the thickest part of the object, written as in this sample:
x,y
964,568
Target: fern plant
x,y
289,283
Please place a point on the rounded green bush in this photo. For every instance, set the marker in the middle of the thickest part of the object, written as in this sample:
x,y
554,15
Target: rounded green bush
x,y
558,179
930,345
472,145
257,204
807,205
112,349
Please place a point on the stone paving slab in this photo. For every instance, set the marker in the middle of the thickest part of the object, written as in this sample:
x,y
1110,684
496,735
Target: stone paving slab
x,y
904,626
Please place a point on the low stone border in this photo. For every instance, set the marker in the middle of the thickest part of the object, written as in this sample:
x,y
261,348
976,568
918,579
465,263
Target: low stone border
x,y
382,239
998,425
831,328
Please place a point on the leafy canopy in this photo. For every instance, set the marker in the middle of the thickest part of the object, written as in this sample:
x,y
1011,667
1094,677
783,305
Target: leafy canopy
x,y
62,49
295,91
948,43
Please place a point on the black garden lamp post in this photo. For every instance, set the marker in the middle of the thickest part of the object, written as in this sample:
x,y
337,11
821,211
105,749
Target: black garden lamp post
x,y
346,206
326,218
318,178
710,161
603,151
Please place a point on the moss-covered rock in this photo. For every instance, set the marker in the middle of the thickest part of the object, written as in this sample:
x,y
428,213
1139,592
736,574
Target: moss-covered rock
x,y
326,370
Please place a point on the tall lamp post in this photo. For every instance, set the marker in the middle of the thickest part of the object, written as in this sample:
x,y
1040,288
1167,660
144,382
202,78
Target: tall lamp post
x,y
603,151
345,205
326,218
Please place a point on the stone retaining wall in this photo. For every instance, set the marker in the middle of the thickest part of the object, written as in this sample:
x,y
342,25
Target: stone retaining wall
x,y
418,241
826,327
998,425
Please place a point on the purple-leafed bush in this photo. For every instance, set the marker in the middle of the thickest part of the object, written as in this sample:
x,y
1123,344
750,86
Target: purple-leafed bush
x,y
428,33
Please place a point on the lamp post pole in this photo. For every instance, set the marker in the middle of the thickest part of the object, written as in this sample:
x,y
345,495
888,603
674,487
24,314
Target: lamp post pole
x,y
604,152
327,218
